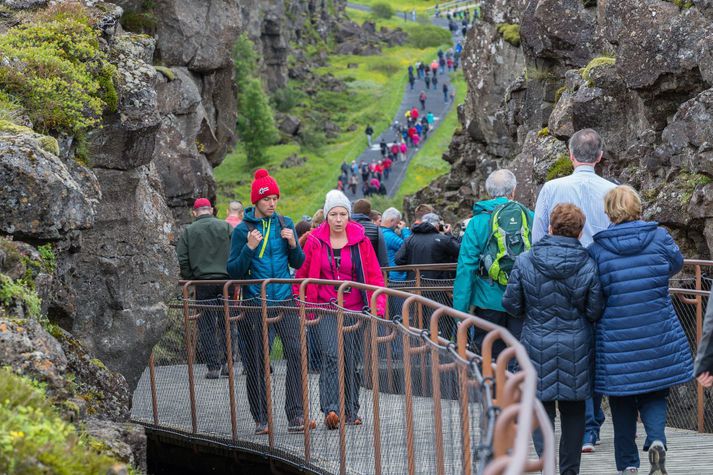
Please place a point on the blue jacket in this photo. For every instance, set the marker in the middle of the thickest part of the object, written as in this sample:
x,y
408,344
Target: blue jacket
x,y
640,345
555,288
393,244
276,259
470,289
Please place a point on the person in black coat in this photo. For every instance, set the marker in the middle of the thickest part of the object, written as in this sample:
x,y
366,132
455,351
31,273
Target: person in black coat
x,y
704,359
555,288
360,213
427,245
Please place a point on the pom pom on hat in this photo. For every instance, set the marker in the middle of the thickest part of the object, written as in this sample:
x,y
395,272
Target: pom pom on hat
x,y
263,185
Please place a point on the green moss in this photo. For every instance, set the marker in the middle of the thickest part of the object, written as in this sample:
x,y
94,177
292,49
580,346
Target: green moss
x,y
98,363
562,167
49,259
544,132
65,81
689,183
510,32
35,439
167,72
682,4
139,22
597,62
559,92
49,144
12,128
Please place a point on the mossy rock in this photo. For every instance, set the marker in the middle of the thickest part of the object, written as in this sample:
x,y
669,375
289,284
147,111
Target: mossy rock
x,y
47,143
562,167
167,72
510,33
544,132
598,62
682,4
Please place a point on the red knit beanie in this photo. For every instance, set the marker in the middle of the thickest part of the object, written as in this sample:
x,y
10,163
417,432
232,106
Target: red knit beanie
x,y
263,185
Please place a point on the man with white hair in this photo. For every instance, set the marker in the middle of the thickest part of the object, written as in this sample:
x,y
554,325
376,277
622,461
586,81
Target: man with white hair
x,y
395,233
485,258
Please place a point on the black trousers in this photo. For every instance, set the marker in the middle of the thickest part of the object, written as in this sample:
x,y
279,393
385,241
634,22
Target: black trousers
x,y
250,328
503,319
572,425
212,345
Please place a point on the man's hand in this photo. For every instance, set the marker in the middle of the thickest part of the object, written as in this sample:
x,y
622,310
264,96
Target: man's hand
x,y
254,238
287,233
705,379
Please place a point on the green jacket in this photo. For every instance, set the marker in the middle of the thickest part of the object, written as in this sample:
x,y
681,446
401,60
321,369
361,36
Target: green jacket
x,y
204,248
470,289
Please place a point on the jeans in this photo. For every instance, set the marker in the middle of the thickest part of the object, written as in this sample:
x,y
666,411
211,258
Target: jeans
x,y
250,329
329,372
210,320
624,411
594,418
572,425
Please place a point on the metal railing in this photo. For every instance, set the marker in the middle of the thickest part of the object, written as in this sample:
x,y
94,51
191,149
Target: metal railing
x,y
690,405
428,404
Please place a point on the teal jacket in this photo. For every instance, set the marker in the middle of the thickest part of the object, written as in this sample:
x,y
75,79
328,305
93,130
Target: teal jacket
x,y
471,289
271,259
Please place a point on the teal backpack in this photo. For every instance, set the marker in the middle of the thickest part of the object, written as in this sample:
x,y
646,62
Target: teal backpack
x,y
510,235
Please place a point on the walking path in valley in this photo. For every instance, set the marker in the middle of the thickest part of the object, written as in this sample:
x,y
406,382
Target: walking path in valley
x,y
434,104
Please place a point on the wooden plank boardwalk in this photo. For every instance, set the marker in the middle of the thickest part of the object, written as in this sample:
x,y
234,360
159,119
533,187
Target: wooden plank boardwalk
x,y
689,452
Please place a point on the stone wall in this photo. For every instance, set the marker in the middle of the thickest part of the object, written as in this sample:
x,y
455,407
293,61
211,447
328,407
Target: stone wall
x,y
640,72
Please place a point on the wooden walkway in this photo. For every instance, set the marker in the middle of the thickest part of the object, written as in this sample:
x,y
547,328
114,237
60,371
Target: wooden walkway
x,y
690,452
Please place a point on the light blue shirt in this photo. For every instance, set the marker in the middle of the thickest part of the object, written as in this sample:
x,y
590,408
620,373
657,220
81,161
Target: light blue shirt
x,y
582,188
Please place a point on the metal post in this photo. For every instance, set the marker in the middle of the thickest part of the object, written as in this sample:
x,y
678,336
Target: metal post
x,y
189,343
154,398
229,360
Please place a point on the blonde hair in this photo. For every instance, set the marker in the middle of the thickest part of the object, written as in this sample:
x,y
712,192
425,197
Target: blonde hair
x,y
622,204
317,218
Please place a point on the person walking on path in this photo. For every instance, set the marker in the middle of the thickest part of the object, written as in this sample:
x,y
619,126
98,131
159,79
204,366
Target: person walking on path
x,y
369,133
586,190
434,81
554,289
422,99
202,253
339,250
445,92
361,212
704,358
353,182
411,81
427,80
642,350
264,246
475,290
235,213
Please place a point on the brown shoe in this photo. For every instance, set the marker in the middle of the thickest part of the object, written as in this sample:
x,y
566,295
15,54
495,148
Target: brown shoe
x,y
331,420
298,424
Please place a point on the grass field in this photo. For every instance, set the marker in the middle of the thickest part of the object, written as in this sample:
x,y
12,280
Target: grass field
x,y
374,94
404,5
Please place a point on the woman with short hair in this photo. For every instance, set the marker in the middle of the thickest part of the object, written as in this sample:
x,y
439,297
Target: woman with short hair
x,y
641,350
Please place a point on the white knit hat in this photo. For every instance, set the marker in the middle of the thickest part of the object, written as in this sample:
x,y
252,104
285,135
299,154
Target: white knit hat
x,y
334,199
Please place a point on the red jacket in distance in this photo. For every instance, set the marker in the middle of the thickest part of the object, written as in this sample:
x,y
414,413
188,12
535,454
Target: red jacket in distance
x,y
414,113
317,265
387,163
412,132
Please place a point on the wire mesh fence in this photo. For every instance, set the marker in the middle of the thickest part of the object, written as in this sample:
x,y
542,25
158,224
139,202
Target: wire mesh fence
x,y
337,390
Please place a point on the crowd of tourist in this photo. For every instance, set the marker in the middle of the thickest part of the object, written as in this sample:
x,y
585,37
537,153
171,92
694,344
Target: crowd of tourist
x,y
582,281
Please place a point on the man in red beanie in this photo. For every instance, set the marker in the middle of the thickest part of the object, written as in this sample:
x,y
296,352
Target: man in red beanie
x,y
202,253
264,246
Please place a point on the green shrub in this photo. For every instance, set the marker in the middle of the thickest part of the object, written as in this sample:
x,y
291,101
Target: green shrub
x,y
562,167
428,37
312,138
384,66
18,291
287,98
55,70
10,110
34,439
49,259
382,10
256,125
139,22
510,32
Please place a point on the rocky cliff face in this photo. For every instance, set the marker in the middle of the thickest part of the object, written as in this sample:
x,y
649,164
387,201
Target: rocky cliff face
x,y
639,72
113,219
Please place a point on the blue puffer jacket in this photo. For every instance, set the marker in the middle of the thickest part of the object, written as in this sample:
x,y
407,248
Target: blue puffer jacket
x,y
275,261
640,345
555,288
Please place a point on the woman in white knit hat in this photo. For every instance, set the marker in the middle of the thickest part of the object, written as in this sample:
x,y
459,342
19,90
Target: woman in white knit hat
x,y
339,250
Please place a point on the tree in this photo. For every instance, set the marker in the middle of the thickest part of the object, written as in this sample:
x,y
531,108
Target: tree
x,y
256,125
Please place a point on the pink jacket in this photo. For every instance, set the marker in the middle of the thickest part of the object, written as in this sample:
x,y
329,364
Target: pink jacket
x,y
317,265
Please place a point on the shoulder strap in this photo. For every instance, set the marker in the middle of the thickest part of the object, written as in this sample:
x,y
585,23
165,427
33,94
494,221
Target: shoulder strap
x,y
356,262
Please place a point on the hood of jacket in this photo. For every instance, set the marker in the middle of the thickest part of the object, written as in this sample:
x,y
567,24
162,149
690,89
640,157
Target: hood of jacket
x,y
424,228
355,233
487,206
558,257
249,216
627,238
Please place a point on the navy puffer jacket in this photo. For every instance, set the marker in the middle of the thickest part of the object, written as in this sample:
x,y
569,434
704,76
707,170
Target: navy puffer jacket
x,y
640,344
555,288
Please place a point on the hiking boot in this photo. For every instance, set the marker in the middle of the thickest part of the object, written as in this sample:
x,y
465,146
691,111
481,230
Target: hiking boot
x,y
261,429
213,374
657,458
331,420
629,471
298,424
224,371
